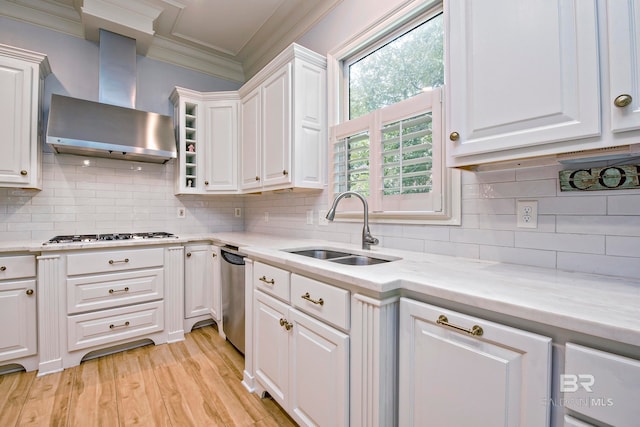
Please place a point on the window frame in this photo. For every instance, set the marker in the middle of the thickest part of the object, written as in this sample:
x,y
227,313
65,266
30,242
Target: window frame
x,y
398,21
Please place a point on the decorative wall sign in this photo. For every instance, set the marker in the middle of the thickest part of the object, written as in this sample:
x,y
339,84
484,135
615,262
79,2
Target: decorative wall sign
x,y
601,178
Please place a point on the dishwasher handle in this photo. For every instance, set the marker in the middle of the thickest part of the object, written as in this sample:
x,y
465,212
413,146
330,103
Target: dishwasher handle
x,y
234,258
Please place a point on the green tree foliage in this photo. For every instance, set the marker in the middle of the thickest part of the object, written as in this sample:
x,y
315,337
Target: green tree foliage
x,y
398,70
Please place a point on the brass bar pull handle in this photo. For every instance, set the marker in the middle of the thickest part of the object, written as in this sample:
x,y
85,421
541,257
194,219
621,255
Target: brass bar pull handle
x,y
267,281
113,291
111,261
315,301
475,329
112,326
3,268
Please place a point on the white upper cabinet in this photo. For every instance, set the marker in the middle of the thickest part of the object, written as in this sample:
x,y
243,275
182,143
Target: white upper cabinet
x,y
623,43
22,76
207,135
523,77
283,130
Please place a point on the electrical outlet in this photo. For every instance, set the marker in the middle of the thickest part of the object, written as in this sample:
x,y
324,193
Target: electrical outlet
x,y
527,213
182,213
266,217
237,212
309,217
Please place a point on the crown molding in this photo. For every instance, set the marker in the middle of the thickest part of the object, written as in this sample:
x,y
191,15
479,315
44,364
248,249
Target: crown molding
x,y
189,57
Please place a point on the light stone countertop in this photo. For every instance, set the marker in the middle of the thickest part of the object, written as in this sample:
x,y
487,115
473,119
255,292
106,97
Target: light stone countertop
x,y
601,306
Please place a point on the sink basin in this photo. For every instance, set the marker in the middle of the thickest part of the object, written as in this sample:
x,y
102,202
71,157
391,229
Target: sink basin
x,y
340,257
321,253
359,260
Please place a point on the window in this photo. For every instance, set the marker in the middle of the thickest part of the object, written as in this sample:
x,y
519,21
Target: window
x,y
386,138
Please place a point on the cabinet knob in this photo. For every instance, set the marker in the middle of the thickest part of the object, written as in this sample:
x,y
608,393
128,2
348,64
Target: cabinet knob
x,y
188,254
214,255
285,172
622,100
3,268
206,183
24,172
257,178
454,136
29,292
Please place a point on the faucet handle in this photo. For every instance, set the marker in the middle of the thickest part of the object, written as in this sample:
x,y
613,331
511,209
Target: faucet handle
x,y
368,238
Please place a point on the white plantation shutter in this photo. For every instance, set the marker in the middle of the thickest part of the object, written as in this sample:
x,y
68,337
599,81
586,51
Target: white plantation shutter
x,y
393,156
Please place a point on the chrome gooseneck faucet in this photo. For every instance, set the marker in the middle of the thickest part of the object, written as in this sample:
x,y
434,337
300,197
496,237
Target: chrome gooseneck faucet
x,y
367,238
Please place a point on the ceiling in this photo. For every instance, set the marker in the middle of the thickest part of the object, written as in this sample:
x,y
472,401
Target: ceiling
x,y
231,39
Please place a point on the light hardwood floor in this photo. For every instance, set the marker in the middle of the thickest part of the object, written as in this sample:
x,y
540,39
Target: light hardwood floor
x,y
195,382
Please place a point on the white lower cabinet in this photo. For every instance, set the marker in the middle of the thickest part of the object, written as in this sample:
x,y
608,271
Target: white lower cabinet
x,y
18,332
201,284
601,385
302,362
458,370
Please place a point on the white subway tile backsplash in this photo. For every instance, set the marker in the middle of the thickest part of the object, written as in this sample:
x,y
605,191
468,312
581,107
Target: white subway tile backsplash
x,y
599,264
88,195
532,257
575,229
624,205
622,246
580,243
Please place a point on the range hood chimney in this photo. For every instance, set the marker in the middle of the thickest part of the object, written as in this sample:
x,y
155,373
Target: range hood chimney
x,y
111,128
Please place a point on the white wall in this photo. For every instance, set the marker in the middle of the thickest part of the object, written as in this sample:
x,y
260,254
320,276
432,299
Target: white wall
x,y
106,195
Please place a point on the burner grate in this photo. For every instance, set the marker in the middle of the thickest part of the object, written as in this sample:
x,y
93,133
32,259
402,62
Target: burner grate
x,y
88,238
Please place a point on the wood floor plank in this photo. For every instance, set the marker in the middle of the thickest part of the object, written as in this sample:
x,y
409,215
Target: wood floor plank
x,y
139,397
196,382
14,389
93,399
186,402
48,401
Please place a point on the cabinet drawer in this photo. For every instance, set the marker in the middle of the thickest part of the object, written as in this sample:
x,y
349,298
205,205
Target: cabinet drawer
x,y
271,280
602,385
15,267
108,326
102,261
324,301
114,289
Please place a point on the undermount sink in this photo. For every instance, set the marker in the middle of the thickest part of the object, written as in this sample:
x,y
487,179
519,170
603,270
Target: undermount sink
x,y
321,253
359,260
340,257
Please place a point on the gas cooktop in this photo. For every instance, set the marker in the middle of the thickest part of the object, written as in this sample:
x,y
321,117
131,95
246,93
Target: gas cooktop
x,y
88,238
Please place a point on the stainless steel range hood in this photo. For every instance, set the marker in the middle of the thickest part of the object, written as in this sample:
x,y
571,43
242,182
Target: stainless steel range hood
x,y
90,128
110,128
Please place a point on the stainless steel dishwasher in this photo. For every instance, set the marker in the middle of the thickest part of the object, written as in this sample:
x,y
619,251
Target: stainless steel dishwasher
x,y
232,277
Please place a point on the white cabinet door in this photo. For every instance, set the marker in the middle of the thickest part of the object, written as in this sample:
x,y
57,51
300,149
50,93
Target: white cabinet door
x,y
451,377
198,280
221,133
319,360
271,346
623,23
522,76
251,141
20,128
18,337
276,128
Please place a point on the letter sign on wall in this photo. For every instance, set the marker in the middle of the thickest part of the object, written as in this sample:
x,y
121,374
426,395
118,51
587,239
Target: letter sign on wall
x,y
601,178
